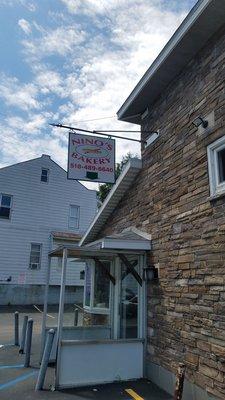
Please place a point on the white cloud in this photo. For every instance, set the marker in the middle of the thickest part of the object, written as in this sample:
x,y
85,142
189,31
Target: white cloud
x,y
32,124
110,67
26,3
49,81
23,96
103,56
31,6
91,7
15,148
25,26
109,73
60,41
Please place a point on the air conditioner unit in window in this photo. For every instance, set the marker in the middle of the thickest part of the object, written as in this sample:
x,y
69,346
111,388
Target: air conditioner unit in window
x,y
34,266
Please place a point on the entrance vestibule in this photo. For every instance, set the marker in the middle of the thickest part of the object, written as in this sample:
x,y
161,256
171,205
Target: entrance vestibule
x,y
113,329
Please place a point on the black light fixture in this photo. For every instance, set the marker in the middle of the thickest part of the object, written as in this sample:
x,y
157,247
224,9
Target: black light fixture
x,y
151,273
199,121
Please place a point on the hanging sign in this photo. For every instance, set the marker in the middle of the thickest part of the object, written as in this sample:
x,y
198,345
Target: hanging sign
x,y
91,158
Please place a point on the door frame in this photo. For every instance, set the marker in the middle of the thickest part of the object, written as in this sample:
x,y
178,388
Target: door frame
x,y
142,317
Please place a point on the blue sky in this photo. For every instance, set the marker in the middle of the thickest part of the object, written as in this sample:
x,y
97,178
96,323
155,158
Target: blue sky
x,y
74,60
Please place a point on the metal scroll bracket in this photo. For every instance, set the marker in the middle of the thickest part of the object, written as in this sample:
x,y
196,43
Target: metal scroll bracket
x,y
130,267
98,262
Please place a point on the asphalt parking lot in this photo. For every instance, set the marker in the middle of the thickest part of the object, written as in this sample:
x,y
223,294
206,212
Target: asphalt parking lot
x,y
17,382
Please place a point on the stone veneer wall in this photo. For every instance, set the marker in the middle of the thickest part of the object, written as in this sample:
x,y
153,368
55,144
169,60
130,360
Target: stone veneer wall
x,y
170,200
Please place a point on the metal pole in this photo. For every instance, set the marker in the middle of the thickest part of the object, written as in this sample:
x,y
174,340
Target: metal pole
x,y
45,359
178,393
45,310
102,134
16,329
23,335
62,294
76,316
28,343
61,310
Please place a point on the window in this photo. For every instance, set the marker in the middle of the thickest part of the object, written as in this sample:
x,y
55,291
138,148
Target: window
x,y
97,287
5,206
87,292
221,165
216,164
101,286
44,175
82,275
74,214
35,256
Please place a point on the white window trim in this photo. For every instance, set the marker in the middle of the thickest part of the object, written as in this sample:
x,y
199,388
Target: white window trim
x,y
92,309
77,219
10,208
40,258
216,188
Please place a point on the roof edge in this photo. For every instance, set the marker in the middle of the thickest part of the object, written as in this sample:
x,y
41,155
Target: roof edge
x,y
181,31
43,156
135,163
145,235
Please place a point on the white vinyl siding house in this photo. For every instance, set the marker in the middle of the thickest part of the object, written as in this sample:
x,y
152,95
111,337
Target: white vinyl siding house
x,y
33,208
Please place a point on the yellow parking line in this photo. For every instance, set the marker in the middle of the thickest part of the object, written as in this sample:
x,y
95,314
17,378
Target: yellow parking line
x,y
133,394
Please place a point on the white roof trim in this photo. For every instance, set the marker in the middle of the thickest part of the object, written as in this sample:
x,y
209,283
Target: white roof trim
x,y
122,184
125,244
120,241
143,234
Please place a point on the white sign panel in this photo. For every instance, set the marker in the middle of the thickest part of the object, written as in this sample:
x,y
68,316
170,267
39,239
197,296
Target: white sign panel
x,y
22,279
91,158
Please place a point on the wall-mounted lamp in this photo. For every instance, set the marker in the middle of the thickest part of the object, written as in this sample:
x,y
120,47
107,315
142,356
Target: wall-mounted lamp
x,y
199,121
145,114
151,273
151,138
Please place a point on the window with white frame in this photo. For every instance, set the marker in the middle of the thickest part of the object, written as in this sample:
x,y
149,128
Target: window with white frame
x,y
35,256
97,287
216,165
74,215
5,206
44,175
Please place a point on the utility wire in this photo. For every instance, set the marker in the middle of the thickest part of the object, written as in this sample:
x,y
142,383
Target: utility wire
x,y
96,119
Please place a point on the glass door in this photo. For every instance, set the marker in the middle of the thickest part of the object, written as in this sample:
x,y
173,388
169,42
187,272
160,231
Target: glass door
x,y
129,300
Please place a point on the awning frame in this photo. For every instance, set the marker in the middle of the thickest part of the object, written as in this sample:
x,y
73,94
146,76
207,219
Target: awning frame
x,y
83,253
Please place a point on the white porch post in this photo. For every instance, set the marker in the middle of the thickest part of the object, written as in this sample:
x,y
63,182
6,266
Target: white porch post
x,y
61,310
116,310
45,310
